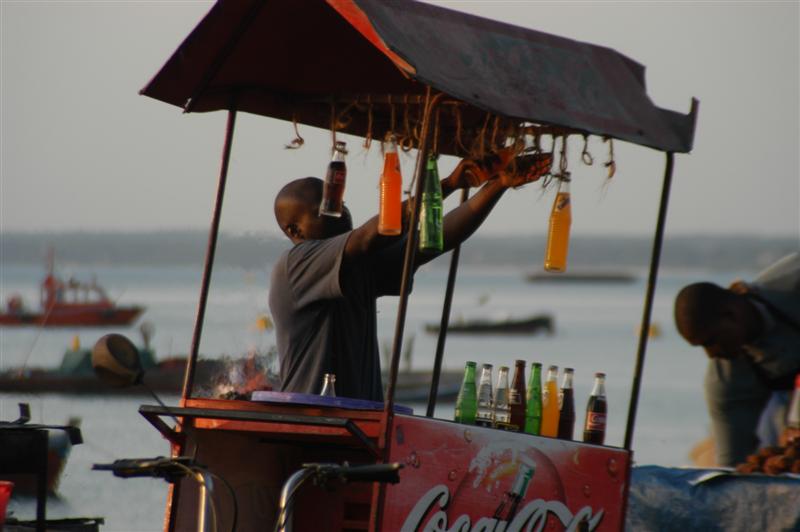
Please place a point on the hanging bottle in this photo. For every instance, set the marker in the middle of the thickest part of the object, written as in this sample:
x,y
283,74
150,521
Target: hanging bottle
x,y
558,234
566,404
484,416
502,410
516,396
390,219
533,401
328,385
333,186
550,403
594,429
466,404
431,237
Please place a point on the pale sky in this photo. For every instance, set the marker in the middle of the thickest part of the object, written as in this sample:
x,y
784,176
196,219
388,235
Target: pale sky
x,y
81,150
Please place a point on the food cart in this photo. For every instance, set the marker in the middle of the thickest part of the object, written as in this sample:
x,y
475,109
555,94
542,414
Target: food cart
x,y
455,84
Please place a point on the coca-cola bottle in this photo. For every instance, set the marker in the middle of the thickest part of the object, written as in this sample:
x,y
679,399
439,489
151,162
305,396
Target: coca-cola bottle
x,y
502,410
566,400
507,508
594,429
333,187
516,396
485,415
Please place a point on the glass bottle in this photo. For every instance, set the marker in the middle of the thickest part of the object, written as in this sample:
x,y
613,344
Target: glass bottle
x,y
484,416
502,410
467,402
550,403
558,234
566,415
431,237
516,396
390,219
533,401
594,428
333,186
328,385
509,503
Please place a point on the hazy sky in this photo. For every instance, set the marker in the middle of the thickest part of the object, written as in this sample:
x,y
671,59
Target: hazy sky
x,y
82,150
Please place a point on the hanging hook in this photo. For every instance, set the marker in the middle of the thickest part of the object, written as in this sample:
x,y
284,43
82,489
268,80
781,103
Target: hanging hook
x,y
297,141
587,158
368,136
610,163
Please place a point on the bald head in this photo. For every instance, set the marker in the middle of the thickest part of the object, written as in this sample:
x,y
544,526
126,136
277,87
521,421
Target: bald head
x,y
717,319
297,212
698,306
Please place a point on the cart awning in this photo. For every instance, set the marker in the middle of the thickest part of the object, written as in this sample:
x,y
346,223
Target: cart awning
x,y
353,61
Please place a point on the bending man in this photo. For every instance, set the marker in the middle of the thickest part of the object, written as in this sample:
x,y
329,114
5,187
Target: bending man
x,y
751,334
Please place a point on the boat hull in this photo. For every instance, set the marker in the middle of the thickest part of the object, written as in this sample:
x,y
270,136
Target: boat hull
x,y
73,316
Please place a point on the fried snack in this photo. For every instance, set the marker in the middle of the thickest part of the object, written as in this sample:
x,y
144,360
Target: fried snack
x,y
795,467
767,452
776,465
748,468
755,460
792,451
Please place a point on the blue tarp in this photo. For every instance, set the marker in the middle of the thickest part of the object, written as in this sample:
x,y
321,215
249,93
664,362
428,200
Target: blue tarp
x,y
663,499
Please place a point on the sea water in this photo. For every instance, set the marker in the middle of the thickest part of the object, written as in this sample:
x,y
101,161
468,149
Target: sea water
x,y
596,329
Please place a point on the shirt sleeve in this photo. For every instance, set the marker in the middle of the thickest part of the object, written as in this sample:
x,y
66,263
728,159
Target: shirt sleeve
x,y
735,397
313,269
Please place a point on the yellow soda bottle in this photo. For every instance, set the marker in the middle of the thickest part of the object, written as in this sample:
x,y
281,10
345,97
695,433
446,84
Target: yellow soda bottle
x,y
390,216
555,259
550,412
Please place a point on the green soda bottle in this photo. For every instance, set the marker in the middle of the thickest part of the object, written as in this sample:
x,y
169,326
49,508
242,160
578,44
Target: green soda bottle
x,y
533,401
467,402
431,237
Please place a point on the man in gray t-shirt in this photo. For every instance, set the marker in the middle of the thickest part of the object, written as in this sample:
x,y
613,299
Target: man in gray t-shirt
x,y
323,291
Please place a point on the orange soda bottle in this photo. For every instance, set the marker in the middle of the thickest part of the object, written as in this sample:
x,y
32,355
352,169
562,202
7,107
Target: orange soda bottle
x,y
550,413
555,259
390,219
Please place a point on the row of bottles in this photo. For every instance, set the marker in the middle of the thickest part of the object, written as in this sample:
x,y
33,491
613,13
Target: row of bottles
x,y
545,411
431,236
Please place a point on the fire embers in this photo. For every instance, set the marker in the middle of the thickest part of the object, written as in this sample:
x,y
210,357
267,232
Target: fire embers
x,y
238,378
773,460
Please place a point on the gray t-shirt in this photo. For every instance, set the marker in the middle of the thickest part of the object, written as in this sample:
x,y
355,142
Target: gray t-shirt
x,y
325,316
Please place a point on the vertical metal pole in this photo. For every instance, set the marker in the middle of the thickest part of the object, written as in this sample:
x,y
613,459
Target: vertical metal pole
x,y
405,284
211,247
648,305
408,263
448,299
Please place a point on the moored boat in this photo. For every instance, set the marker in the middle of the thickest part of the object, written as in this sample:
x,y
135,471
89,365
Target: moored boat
x,y
528,325
70,303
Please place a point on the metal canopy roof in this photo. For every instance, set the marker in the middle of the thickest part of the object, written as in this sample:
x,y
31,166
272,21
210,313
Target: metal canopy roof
x,y
299,59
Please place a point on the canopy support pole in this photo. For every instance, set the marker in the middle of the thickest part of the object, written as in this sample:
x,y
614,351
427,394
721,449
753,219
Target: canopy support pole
x,y
648,306
448,299
431,102
211,248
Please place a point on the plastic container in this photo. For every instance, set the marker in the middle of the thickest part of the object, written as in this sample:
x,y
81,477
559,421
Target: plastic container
x,y
6,487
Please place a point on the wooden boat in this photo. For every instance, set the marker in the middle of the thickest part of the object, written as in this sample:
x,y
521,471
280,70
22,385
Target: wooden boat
x,y
69,303
581,277
530,325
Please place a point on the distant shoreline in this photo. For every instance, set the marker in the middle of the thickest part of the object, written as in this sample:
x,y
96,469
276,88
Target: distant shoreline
x,y
249,250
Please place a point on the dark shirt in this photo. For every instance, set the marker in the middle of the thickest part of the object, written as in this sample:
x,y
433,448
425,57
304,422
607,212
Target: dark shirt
x,y
325,316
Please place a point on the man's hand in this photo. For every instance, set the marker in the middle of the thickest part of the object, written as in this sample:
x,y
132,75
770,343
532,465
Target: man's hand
x,y
526,169
467,174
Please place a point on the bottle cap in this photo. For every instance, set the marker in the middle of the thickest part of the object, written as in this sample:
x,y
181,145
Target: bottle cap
x,y
599,374
537,364
569,370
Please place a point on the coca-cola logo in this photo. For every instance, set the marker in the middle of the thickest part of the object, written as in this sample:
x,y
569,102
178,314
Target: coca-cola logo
x,y
429,515
595,421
